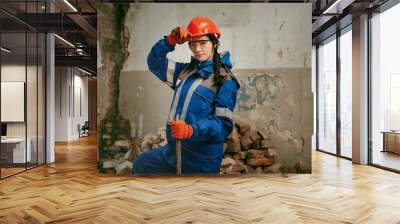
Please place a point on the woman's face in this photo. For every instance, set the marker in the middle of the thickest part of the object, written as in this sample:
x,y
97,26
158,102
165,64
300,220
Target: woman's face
x,y
202,48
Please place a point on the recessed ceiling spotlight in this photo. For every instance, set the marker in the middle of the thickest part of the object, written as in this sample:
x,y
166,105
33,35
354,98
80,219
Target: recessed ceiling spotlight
x,y
5,50
65,41
70,5
84,71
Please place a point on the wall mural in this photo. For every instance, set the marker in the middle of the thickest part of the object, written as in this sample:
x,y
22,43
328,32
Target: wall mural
x,y
273,117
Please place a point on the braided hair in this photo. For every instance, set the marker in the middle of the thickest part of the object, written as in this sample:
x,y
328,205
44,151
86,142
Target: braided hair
x,y
218,78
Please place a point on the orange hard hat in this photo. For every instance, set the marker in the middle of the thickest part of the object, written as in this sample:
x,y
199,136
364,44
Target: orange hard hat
x,y
200,26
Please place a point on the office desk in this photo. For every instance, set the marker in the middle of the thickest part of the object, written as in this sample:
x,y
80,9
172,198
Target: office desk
x,y
391,141
13,150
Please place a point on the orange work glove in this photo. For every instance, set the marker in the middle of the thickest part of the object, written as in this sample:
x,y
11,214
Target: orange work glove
x,y
180,130
179,35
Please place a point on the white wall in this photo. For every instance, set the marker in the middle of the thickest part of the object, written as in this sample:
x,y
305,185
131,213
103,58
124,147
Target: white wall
x,y
69,82
16,73
267,42
61,103
79,117
258,35
273,36
12,73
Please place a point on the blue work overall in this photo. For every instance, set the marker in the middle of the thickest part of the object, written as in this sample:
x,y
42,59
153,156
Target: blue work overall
x,y
200,103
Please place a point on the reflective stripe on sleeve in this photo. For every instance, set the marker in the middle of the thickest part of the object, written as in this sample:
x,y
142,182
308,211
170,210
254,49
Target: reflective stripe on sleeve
x,y
189,95
170,73
223,112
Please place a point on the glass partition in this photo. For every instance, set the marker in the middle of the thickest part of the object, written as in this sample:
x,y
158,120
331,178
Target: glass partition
x,y
31,100
13,103
385,89
22,77
346,93
327,96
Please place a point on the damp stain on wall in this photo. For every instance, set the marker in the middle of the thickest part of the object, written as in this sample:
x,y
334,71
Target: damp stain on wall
x,y
256,90
275,100
115,151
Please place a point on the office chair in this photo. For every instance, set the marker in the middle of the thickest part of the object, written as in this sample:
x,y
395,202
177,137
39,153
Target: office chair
x,y
84,130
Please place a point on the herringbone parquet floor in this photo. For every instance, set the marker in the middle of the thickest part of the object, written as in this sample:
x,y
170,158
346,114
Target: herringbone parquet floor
x,y
71,191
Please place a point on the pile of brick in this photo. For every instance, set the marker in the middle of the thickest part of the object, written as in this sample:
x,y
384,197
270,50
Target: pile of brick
x,y
248,151
121,163
151,141
129,150
245,150
116,146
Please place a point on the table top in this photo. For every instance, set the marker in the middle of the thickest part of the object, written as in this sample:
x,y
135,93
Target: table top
x,y
13,140
391,132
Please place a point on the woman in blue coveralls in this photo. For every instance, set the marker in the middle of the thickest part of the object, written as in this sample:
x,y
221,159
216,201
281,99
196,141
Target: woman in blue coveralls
x,y
204,98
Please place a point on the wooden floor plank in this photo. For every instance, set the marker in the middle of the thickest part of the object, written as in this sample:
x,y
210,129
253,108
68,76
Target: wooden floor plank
x,y
71,191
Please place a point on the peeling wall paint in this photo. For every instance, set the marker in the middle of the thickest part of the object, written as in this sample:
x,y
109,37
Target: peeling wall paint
x,y
282,101
258,35
114,139
271,50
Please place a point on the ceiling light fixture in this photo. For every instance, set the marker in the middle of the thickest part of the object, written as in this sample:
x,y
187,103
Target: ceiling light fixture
x,y
86,72
70,5
65,41
331,7
338,6
5,50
